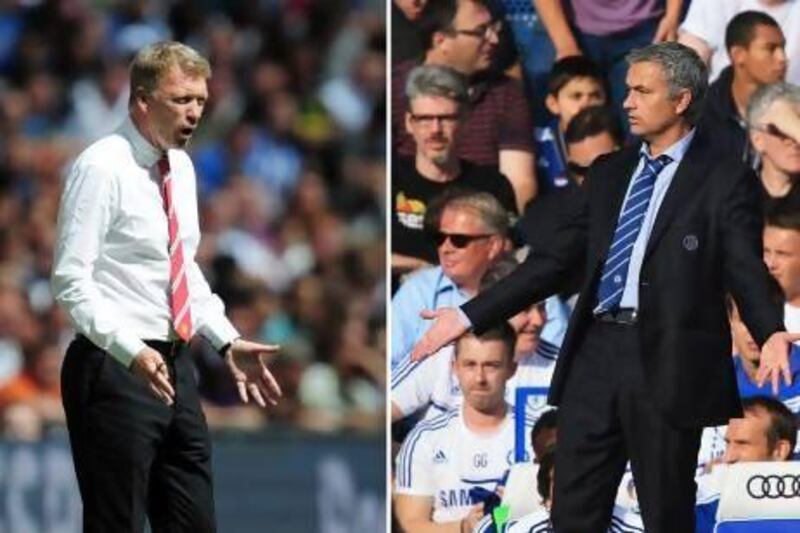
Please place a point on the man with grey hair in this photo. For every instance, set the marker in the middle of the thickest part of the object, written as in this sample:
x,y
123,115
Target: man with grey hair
x,y
125,274
664,230
778,151
437,101
469,230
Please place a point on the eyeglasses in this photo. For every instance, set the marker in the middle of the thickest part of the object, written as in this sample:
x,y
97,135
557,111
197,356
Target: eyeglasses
x,y
427,121
458,240
482,31
575,168
771,130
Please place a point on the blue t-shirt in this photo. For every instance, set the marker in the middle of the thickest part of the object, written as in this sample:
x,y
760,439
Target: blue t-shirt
x,y
551,158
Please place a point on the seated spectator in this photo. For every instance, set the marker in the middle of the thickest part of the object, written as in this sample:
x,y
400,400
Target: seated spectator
x,y
544,435
745,361
607,31
755,45
437,98
779,153
430,385
592,132
463,35
575,83
782,257
768,432
471,235
703,29
446,462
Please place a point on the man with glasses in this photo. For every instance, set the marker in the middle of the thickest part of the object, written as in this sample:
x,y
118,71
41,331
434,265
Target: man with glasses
x,y
497,130
437,97
778,151
470,230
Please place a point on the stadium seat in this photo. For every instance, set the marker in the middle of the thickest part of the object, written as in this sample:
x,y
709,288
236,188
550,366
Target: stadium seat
x,y
760,498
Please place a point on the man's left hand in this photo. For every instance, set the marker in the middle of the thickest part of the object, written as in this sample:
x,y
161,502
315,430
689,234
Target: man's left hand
x,y
774,361
247,362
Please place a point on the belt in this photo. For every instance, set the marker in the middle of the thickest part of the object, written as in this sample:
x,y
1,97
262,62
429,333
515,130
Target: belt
x,y
625,317
168,348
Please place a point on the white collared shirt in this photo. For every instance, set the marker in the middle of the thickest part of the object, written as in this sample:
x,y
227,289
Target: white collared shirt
x,y
111,266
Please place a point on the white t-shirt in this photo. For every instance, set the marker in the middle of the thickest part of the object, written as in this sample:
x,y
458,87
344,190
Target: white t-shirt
x,y
791,318
444,459
707,19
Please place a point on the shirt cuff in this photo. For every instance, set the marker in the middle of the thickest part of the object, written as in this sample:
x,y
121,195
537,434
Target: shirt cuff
x,y
219,333
124,348
462,316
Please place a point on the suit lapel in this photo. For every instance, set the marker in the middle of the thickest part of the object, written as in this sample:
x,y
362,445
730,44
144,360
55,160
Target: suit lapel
x,y
615,193
684,183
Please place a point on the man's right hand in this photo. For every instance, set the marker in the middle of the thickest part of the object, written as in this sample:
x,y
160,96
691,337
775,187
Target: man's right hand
x,y
149,366
447,327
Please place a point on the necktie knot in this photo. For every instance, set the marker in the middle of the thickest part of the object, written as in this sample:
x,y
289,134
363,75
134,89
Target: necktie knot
x,y
163,166
658,164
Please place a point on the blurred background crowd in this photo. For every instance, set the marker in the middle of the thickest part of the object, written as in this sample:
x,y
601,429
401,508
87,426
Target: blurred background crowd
x,y
290,164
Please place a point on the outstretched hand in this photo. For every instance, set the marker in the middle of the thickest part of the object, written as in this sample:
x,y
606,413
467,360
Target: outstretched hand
x,y
447,327
247,362
774,361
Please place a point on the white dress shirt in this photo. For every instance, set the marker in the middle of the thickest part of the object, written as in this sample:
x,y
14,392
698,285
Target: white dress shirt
x,y
111,267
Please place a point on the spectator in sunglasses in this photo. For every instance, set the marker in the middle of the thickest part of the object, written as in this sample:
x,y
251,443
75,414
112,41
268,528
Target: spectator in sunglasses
x,y
592,132
469,229
437,100
773,109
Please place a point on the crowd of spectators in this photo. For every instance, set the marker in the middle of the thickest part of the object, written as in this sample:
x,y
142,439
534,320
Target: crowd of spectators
x,y
291,177
545,81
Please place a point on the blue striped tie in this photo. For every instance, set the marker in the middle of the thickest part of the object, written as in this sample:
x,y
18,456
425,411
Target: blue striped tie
x,y
615,269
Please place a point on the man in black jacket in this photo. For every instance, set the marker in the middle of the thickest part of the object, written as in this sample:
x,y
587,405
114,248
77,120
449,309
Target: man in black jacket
x,y
755,44
666,229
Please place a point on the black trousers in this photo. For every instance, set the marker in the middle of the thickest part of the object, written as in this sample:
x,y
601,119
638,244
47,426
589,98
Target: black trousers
x,y
134,455
605,419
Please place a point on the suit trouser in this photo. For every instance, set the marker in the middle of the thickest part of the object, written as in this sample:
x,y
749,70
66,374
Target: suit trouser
x,y
134,455
606,418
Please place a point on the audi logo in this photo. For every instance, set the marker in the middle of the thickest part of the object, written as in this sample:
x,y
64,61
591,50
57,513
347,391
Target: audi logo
x,y
773,487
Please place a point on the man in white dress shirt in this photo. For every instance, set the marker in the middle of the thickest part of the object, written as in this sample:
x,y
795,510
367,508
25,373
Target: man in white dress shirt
x,y
125,274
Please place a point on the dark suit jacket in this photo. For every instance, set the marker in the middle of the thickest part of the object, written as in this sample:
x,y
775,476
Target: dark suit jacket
x,y
706,241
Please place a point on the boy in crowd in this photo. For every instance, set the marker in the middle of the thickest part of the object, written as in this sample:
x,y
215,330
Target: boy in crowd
x,y
575,83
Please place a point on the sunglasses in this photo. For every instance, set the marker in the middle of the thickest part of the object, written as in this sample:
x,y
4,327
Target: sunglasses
x,y
458,240
575,168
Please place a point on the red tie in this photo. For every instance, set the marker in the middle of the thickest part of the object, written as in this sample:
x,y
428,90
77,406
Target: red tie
x,y
178,284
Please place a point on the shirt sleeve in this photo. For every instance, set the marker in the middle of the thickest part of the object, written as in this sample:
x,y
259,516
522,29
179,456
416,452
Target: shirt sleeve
x,y
703,20
414,472
405,321
87,210
413,382
516,124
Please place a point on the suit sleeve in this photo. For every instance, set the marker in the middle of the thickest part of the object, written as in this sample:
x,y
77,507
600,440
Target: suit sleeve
x,y
546,271
746,275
